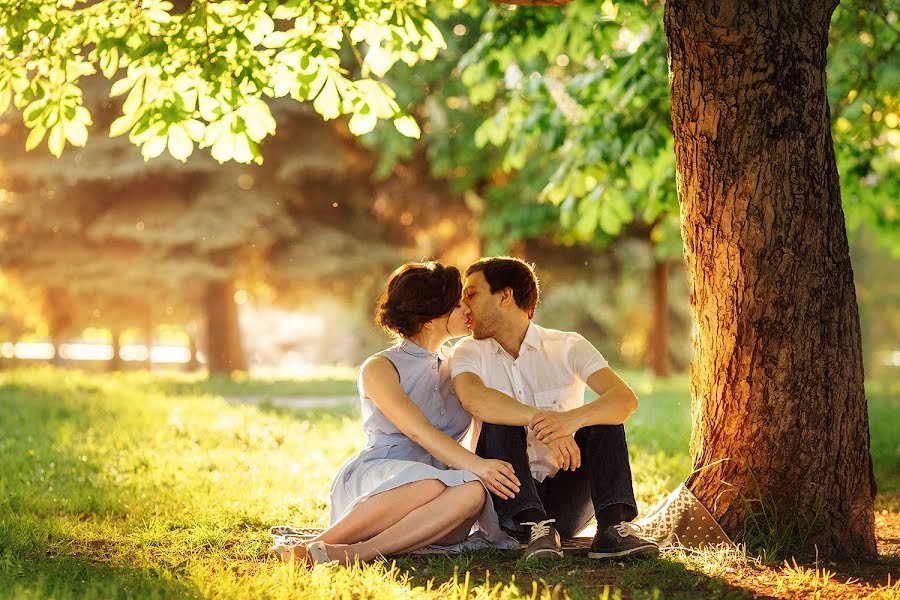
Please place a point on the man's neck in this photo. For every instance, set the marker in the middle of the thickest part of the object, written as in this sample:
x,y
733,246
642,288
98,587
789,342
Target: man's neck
x,y
510,339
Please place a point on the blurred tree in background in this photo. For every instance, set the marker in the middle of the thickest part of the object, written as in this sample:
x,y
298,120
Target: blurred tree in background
x,y
602,187
120,242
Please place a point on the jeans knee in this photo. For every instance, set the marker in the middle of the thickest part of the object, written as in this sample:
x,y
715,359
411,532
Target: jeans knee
x,y
604,433
502,430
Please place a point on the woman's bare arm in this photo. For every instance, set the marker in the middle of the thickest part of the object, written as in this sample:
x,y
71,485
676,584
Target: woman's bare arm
x,y
382,385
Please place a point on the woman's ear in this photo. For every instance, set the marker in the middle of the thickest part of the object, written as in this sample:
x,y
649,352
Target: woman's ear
x,y
428,325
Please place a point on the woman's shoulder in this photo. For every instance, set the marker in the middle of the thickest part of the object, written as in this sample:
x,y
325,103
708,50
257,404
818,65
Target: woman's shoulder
x,y
378,365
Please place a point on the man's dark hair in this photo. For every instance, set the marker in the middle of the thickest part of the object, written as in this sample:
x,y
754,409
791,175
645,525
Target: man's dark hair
x,y
415,294
503,272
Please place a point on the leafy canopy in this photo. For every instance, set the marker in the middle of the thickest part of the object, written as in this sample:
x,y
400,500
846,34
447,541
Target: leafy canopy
x,y
200,73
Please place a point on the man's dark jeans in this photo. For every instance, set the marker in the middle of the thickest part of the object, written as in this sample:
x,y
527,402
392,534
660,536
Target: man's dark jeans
x,y
570,497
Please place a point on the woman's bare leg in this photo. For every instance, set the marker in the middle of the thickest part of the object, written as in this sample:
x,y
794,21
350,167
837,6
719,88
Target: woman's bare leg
x,y
429,523
375,514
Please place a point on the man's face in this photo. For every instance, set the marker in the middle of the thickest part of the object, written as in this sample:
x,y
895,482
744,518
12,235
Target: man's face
x,y
483,307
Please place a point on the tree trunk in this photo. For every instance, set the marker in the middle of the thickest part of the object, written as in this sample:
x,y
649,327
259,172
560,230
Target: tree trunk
x,y
59,320
777,379
148,336
223,336
659,328
193,363
115,363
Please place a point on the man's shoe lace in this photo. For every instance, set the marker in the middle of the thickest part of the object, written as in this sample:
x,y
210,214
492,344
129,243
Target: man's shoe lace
x,y
540,529
624,529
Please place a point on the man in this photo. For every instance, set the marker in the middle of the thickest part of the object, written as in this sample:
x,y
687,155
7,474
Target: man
x,y
526,384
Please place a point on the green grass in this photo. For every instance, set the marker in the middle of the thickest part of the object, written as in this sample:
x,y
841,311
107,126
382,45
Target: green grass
x,y
141,486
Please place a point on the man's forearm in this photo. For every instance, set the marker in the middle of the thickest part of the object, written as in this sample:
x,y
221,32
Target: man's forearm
x,y
492,406
610,408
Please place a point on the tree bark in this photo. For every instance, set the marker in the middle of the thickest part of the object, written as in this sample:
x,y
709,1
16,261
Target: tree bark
x,y
223,337
659,327
777,378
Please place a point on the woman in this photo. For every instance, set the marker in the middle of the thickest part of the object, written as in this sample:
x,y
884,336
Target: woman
x,y
414,484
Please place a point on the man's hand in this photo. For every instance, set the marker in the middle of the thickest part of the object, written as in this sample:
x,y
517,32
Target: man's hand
x,y
566,453
549,426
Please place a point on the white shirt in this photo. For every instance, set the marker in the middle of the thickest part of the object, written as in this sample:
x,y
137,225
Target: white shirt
x,y
549,374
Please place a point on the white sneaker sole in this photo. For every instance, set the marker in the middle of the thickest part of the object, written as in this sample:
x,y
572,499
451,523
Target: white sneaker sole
x,y
648,550
544,552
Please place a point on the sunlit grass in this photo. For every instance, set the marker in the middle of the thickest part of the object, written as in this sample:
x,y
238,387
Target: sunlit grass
x,y
132,485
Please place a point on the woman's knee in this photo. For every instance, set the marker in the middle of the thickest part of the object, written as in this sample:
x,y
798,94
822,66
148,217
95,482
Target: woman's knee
x,y
474,496
429,488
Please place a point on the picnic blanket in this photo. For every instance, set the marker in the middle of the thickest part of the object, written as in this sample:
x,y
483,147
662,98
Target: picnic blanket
x,y
677,521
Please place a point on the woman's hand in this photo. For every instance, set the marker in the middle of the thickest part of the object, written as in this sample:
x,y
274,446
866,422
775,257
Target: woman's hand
x,y
548,426
498,476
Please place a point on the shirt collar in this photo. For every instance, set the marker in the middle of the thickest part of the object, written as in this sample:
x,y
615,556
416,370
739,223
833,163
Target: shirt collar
x,y
532,338
414,349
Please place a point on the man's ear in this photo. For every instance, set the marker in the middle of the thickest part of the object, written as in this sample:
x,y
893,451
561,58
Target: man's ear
x,y
506,297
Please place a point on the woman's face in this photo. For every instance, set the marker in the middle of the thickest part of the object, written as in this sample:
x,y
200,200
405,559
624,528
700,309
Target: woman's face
x,y
456,322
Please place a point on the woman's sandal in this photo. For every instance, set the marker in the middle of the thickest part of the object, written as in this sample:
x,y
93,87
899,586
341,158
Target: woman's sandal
x,y
315,553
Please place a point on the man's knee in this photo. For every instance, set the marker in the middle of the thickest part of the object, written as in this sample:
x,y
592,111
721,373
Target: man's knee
x,y
502,431
601,434
501,441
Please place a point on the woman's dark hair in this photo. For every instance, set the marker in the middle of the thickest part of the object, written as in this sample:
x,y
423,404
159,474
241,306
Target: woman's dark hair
x,y
503,272
415,294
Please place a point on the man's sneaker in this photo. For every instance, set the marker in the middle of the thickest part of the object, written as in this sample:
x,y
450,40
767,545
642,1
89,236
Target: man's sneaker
x,y
543,541
622,540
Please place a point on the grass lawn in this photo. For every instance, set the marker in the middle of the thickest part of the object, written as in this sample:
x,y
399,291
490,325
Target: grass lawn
x,y
146,486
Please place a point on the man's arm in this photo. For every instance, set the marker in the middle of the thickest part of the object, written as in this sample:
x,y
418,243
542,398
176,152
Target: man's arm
x,y
613,405
490,405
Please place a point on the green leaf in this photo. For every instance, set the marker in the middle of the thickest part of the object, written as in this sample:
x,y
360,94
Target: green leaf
x,y
258,118
243,151
180,145
379,60
328,100
223,148
195,129
361,124
5,97
57,140
35,137
109,62
121,86
154,146
408,127
123,124
76,132
31,115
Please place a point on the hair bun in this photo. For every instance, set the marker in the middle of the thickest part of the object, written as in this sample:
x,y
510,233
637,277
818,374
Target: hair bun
x,y
415,294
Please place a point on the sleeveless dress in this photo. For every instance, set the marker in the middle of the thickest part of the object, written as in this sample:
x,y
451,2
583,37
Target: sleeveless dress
x,y
390,459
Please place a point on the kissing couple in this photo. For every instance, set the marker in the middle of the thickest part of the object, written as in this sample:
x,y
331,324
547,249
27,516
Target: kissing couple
x,y
488,443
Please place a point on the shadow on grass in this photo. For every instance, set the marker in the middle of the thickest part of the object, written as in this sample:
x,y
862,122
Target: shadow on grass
x,y
872,572
579,576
